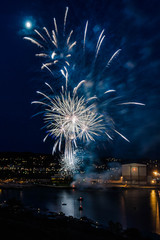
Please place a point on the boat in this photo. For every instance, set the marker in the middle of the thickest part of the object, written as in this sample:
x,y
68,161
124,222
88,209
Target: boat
x,y
80,208
80,199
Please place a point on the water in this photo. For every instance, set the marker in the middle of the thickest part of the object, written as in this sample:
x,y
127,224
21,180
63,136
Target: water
x,y
131,207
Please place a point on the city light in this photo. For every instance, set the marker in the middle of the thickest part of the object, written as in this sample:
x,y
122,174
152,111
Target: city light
x,y
153,181
155,173
134,169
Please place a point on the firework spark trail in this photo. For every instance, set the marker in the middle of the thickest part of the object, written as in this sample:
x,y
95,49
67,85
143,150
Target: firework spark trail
x,y
55,26
98,47
72,45
92,98
84,39
33,41
101,34
121,135
68,39
65,19
78,86
45,66
113,56
47,33
108,136
65,75
109,91
48,85
42,55
40,35
132,103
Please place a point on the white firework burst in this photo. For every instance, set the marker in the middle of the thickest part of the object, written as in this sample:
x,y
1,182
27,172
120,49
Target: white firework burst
x,y
70,118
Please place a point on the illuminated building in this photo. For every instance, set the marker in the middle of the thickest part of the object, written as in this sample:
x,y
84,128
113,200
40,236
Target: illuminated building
x,y
134,173
28,165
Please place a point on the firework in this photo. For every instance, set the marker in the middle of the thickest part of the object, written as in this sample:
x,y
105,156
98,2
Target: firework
x,y
69,119
56,48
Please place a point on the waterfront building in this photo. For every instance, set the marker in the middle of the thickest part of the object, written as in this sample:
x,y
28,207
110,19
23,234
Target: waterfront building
x,y
134,173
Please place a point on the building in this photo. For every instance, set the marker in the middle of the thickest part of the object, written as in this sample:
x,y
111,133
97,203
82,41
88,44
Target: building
x,y
28,165
134,173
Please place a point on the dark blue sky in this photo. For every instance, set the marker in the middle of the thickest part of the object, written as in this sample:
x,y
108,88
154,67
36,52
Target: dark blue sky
x,y
131,25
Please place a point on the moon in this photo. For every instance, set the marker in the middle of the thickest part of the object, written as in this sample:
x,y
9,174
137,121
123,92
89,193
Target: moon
x,y
28,24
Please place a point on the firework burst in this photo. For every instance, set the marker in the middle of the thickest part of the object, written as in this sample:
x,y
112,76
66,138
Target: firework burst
x,y
68,119
55,47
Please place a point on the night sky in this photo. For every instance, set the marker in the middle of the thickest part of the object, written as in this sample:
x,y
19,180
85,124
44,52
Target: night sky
x,y
132,25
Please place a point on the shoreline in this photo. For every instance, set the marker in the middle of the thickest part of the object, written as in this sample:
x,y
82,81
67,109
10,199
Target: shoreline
x,y
98,187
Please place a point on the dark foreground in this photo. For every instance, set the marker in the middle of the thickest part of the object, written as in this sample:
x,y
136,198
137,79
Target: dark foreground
x,y
24,223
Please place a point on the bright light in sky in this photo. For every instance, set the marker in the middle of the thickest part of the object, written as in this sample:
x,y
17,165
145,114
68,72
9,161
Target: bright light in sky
x,y
28,24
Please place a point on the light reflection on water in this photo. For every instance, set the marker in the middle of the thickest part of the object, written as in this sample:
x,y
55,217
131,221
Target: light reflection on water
x,y
154,201
131,207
